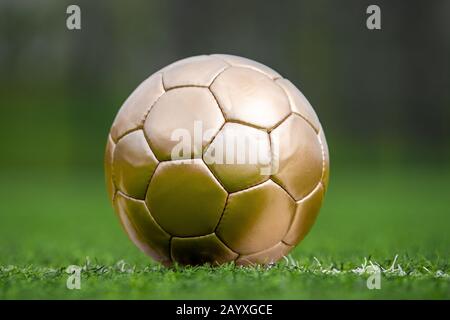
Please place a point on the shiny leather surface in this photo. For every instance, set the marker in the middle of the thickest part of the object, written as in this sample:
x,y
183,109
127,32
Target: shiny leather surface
x,y
200,250
134,111
185,198
256,218
299,156
141,228
180,109
194,71
305,216
299,104
236,61
251,97
268,256
236,177
194,211
133,164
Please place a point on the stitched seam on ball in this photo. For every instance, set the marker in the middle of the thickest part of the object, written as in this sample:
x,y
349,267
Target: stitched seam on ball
x,y
240,121
309,122
145,197
260,251
142,121
214,176
290,106
186,86
148,210
216,56
219,73
278,184
244,123
297,203
258,70
149,180
138,230
250,68
225,244
205,148
279,122
221,215
218,104
128,132
156,100
206,235
156,221
112,168
323,157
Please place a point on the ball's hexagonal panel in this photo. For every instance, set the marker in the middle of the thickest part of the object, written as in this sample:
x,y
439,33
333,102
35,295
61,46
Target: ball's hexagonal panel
x,y
249,96
239,156
299,103
326,159
256,219
194,71
267,256
133,164
305,216
109,151
247,63
200,250
297,150
185,198
142,229
174,117
134,110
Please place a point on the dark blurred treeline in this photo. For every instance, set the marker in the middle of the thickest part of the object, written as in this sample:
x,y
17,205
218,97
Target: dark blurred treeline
x,y
382,96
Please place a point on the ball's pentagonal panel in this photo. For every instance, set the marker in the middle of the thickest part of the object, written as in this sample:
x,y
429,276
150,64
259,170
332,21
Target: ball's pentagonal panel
x,y
134,110
194,71
326,159
109,151
142,228
297,150
305,216
256,219
249,96
183,117
299,104
185,198
133,164
247,63
200,250
267,256
239,156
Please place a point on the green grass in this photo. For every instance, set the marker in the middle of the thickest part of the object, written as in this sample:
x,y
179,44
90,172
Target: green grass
x,y
51,220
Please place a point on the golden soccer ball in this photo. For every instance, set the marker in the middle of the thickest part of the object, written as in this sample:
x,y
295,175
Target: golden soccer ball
x,y
247,182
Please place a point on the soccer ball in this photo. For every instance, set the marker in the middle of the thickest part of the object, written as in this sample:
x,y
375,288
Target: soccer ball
x,y
247,182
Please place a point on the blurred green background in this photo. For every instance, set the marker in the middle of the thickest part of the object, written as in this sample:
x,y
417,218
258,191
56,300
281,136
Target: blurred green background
x,y
382,97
